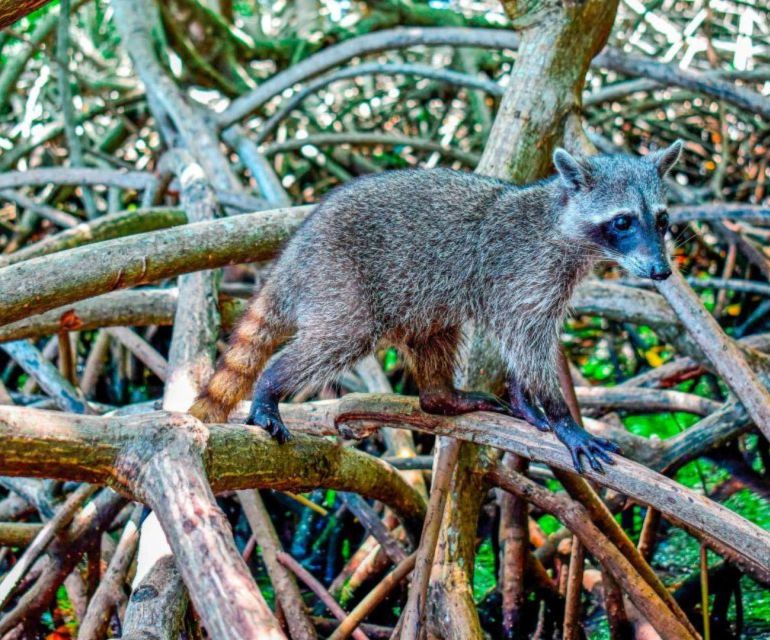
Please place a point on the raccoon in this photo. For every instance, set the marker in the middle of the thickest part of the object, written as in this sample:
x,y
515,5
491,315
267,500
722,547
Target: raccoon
x,y
409,256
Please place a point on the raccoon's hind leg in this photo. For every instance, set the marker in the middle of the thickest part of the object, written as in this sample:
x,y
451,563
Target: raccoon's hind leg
x,y
271,387
312,357
434,360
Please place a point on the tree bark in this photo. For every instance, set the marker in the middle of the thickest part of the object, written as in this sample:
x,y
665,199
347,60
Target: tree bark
x,y
13,10
157,605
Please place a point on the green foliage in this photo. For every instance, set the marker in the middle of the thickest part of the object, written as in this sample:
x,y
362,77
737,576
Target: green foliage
x,y
484,578
391,360
660,425
751,506
548,524
245,9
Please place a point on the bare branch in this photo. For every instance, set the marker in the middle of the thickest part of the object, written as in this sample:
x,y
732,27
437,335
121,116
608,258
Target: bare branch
x,y
285,586
725,355
36,285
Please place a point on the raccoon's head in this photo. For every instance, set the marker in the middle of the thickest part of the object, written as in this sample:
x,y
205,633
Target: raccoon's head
x,y
617,203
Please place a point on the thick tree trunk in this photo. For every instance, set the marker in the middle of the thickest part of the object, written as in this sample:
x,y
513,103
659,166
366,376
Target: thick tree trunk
x,y
545,86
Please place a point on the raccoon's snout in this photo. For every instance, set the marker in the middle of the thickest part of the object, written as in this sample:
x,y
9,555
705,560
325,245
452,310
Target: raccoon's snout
x,y
660,274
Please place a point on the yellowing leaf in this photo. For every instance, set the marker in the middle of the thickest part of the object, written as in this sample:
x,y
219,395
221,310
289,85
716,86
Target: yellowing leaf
x,y
653,357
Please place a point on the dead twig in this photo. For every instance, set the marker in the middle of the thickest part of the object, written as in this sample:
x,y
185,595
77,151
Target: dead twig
x,y
414,612
374,598
62,518
316,587
579,522
284,584
110,590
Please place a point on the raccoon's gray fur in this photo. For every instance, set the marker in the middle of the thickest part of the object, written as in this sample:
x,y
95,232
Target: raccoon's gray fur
x,y
409,256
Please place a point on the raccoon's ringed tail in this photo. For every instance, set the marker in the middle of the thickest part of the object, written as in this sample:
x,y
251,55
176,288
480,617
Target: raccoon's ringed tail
x,y
207,411
251,344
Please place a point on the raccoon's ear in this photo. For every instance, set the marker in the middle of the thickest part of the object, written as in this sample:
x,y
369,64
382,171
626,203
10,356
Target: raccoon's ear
x,y
666,158
574,173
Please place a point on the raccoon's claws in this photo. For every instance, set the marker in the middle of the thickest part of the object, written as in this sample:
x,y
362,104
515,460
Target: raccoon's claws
x,y
579,442
269,419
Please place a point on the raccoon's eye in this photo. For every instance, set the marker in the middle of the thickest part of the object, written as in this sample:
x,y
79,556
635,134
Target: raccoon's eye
x,y
622,223
662,222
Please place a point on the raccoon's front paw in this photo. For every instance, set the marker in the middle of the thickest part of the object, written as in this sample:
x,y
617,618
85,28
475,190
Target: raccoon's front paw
x,y
269,419
580,442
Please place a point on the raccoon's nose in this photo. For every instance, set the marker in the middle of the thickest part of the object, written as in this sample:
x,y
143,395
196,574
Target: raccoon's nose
x,y
660,274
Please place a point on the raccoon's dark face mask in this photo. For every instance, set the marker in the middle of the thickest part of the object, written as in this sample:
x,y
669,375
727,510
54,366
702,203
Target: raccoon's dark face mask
x,y
617,204
636,240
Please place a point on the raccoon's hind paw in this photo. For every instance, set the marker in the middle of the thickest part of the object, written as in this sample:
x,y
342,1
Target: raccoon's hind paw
x,y
267,417
207,411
